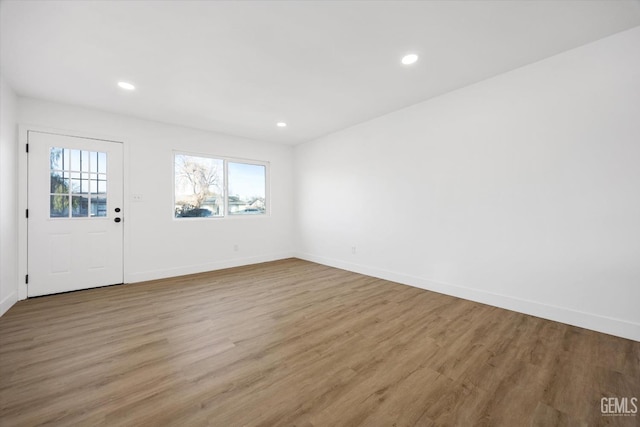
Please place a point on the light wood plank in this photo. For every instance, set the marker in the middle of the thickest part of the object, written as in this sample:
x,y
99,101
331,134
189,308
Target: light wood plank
x,y
297,343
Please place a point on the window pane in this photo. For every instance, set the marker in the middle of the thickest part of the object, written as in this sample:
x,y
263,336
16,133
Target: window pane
x,y
80,182
102,162
66,159
247,188
199,186
102,184
59,206
59,158
79,206
98,184
75,160
59,182
56,158
84,161
84,189
93,161
98,206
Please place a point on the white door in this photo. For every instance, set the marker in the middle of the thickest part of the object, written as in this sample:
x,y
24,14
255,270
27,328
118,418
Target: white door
x,y
75,232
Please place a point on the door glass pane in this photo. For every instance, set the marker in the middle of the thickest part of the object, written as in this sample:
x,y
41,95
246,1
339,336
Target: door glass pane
x,y
102,162
93,161
78,194
79,206
84,184
56,158
84,161
75,182
75,160
59,182
98,184
98,206
59,205
80,183
66,159
102,184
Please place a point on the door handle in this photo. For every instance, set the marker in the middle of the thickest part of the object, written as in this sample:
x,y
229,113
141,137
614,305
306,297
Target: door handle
x,y
116,219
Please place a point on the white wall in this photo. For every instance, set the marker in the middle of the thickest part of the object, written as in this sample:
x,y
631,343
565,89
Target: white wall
x,y
156,245
8,198
521,191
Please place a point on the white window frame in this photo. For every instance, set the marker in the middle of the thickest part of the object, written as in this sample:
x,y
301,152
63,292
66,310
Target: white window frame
x,y
225,187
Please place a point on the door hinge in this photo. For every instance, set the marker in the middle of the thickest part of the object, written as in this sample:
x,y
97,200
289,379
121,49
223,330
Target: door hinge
x,y
27,146
26,213
26,279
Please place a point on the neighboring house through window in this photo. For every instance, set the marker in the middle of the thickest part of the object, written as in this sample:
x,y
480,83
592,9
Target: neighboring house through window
x,y
215,187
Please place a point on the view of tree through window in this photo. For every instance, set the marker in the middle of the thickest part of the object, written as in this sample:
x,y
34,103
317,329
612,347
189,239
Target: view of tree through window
x,y
202,182
199,186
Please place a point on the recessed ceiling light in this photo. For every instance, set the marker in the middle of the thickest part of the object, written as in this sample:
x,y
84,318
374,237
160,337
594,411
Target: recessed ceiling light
x,y
409,59
126,86
281,124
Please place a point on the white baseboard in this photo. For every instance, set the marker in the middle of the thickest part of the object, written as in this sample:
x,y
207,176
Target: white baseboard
x,y
595,322
201,268
7,302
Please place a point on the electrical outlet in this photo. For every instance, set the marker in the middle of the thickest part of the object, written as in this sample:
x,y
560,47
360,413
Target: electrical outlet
x,y
236,248
136,197
353,250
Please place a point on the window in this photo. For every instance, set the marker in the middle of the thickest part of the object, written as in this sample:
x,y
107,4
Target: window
x,y
199,186
212,187
247,184
78,183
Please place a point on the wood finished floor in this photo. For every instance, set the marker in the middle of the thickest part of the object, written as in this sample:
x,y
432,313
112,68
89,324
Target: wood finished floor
x,y
296,343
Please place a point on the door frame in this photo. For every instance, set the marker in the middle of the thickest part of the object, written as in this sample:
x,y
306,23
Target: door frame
x,y
23,188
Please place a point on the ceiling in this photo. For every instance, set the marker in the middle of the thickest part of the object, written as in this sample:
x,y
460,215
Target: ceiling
x,y
239,67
